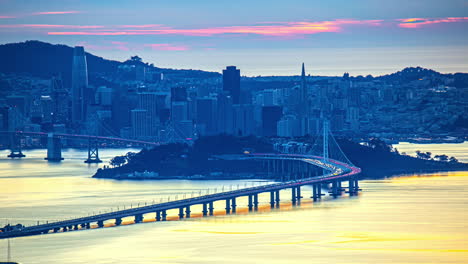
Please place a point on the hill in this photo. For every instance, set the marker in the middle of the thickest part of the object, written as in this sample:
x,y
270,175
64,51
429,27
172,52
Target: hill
x,y
40,59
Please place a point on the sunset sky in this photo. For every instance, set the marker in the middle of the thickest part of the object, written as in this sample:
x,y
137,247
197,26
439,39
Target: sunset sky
x,y
261,37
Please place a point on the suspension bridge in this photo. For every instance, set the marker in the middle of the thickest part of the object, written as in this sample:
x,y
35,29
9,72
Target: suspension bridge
x,y
336,167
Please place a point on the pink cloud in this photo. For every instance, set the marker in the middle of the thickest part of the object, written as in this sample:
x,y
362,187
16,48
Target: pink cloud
x,y
55,13
168,47
4,17
49,26
279,29
420,22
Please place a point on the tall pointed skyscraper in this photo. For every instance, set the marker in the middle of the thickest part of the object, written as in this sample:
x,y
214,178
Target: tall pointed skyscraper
x,y
79,85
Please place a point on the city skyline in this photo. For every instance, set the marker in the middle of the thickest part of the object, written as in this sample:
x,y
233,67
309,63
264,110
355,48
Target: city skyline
x,y
365,37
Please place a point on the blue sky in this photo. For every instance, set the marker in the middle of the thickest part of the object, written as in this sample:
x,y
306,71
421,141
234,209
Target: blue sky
x,y
261,37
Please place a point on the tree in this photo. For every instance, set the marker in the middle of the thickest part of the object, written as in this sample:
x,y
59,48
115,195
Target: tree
x,y
118,161
135,58
442,157
129,156
422,155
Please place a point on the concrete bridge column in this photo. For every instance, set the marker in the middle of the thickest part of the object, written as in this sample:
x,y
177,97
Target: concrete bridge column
x,y
64,229
187,212
228,206
356,186
334,189
298,194
340,188
54,148
250,203
211,208
181,213
118,221
76,227
351,187
205,209
293,195
164,215
158,216
255,202
138,218
100,224
314,192
272,199
56,229
234,205
277,199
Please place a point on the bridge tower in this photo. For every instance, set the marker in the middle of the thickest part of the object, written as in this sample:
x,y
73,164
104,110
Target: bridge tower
x,y
326,131
93,152
54,148
15,146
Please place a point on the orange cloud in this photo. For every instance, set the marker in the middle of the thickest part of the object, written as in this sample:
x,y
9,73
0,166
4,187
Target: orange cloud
x,y
420,22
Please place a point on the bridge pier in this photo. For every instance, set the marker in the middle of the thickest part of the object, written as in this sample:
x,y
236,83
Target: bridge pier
x,y
100,224
272,199
118,221
228,206
277,199
234,205
138,218
255,203
250,203
298,195
293,195
187,212
158,216
54,148
164,215
211,209
93,152
15,147
64,229
76,227
181,213
205,209
56,230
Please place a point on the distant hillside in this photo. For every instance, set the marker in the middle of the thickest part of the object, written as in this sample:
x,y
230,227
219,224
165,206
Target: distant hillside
x,y
42,59
45,60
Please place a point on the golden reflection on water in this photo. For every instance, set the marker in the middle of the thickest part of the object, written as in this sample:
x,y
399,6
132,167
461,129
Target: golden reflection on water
x,y
411,219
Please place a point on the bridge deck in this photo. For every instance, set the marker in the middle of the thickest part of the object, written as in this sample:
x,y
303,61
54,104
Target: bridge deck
x,y
338,170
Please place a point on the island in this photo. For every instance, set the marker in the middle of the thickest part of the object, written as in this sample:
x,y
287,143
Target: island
x,y
209,158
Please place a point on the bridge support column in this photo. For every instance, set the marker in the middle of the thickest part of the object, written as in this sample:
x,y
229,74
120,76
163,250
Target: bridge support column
x,y
277,198
15,147
56,230
250,203
76,227
293,195
205,209
298,195
164,215
181,213
334,189
234,205
158,216
228,206
100,224
272,199
93,152
255,203
211,208
64,229
138,218
187,212
118,221
88,225
314,192
54,148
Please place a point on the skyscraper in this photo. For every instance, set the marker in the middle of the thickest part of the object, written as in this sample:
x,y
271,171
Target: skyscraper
x,y
231,83
79,85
